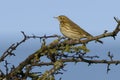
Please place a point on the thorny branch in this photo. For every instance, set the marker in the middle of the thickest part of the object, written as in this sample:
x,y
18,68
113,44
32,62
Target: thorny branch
x,y
13,47
56,54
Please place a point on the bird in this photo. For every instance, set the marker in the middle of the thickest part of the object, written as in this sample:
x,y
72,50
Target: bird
x,y
71,30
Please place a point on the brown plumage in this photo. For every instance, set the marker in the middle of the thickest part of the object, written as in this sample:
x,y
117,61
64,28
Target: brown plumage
x,y
71,30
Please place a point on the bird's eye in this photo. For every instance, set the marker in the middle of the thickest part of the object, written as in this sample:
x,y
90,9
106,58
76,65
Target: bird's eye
x,y
62,18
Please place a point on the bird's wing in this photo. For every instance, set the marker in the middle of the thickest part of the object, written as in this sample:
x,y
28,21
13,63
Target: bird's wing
x,y
79,29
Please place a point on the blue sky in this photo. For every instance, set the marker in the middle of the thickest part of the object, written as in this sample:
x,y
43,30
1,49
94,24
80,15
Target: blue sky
x,y
36,17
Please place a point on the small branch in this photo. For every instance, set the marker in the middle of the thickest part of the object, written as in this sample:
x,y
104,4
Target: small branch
x,y
42,64
108,67
41,37
117,29
13,47
81,59
92,61
6,53
117,20
6,66
110,56
57,66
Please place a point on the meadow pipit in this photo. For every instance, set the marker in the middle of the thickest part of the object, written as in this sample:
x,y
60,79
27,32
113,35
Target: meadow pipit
x,y
71,30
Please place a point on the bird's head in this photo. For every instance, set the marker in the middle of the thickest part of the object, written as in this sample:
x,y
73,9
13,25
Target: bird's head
x,y
62,18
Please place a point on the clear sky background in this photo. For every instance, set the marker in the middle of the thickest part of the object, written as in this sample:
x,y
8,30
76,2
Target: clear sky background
x,y
36,17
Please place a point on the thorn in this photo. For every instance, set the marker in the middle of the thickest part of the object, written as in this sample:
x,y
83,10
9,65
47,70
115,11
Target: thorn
x,y
105,31
116,19
114,37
